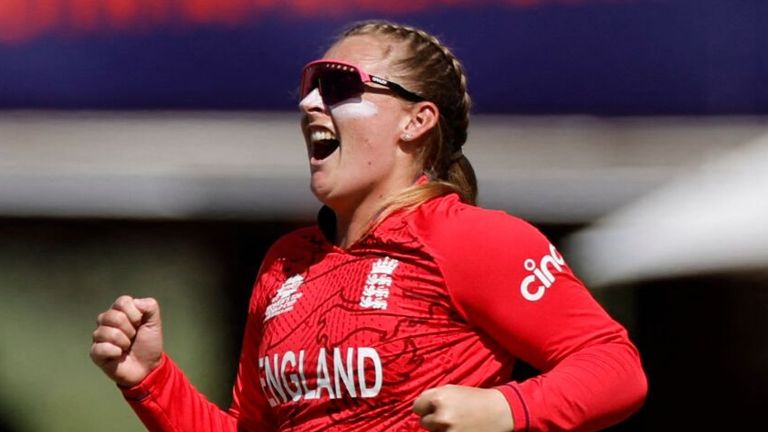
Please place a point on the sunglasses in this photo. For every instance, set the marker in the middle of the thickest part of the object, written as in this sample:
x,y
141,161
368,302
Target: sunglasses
x,y
339,81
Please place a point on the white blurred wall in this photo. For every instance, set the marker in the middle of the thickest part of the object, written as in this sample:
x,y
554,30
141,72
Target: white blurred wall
x,y
183,165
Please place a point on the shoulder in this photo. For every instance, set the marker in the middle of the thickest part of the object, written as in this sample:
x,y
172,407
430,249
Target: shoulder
x,y
475,245
484,256
285,258
299,237
447,222
301,241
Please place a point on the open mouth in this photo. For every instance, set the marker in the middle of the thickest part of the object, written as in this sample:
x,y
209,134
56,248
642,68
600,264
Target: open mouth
x,y
323,144
322,149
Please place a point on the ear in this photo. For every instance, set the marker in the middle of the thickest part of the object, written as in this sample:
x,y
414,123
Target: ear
x,y
422,118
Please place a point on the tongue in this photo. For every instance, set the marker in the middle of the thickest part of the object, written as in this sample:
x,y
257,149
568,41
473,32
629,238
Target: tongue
x,y
323,149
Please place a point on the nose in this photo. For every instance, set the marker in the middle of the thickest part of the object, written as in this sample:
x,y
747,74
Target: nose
x,y
312,102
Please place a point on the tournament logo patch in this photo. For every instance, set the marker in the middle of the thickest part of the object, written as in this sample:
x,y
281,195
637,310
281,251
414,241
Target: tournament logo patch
x,y
285,297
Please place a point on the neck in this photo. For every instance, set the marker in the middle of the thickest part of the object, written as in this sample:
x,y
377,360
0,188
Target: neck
x,y
356,212
353,223
354,217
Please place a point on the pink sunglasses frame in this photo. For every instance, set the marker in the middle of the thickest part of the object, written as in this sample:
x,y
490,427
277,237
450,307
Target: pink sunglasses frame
x,y
309,81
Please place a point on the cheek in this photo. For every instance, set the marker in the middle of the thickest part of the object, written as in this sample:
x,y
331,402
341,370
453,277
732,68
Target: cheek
x,y
354,110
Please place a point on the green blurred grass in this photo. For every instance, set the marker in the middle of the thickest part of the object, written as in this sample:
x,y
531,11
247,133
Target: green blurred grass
x,y
51,289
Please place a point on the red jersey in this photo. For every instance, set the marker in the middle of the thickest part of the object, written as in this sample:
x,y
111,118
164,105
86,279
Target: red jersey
x,y
347,339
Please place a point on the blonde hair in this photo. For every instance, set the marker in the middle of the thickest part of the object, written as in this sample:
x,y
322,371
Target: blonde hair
x,y
429,68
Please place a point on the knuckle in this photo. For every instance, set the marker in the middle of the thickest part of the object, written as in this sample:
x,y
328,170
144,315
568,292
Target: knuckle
x,y
97,351
117,334
122,301
106,350
109,334
116,318
98,334
444,418
106,318
119,318
152,302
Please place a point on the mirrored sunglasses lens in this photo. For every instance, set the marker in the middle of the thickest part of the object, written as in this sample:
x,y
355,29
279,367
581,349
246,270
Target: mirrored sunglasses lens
x,y
309,80
337,85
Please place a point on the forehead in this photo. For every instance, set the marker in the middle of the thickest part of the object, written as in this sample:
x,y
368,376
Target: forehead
x,y
373,53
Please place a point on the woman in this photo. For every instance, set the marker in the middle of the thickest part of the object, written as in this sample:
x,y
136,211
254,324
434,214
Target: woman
x,y
407,306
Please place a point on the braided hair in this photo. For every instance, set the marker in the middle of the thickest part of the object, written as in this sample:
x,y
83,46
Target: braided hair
x,y
431,70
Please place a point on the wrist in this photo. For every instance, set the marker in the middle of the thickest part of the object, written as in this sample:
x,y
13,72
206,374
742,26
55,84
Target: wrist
x,y
516,405
503,411
155,375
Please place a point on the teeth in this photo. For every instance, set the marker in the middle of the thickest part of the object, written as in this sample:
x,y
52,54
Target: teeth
x,y
320,135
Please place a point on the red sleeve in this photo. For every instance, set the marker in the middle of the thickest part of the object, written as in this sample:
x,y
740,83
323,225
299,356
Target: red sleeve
x,y
166,401
507,279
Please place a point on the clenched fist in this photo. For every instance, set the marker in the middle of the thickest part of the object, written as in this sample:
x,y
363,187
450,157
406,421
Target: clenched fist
x,y
128,340
453,408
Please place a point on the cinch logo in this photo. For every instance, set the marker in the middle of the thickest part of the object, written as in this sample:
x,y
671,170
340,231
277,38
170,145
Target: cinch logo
x,y
285,297
541,273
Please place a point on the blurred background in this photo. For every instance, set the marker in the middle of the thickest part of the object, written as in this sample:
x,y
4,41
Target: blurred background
x,y
152,148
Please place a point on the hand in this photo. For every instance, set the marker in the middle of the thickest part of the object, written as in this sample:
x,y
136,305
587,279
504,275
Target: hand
x,y
455,408
128,340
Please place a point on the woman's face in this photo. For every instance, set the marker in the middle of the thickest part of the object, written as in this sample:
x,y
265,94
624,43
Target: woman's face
x,y
353,145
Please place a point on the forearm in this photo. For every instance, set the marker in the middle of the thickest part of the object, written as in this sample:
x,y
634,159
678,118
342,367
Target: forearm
x,y
591,389
167,402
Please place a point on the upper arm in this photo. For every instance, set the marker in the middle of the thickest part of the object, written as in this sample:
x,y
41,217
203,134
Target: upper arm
x,y
510,281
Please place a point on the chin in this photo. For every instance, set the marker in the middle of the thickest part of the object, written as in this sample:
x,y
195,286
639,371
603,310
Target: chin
x,y
320,192
327,196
